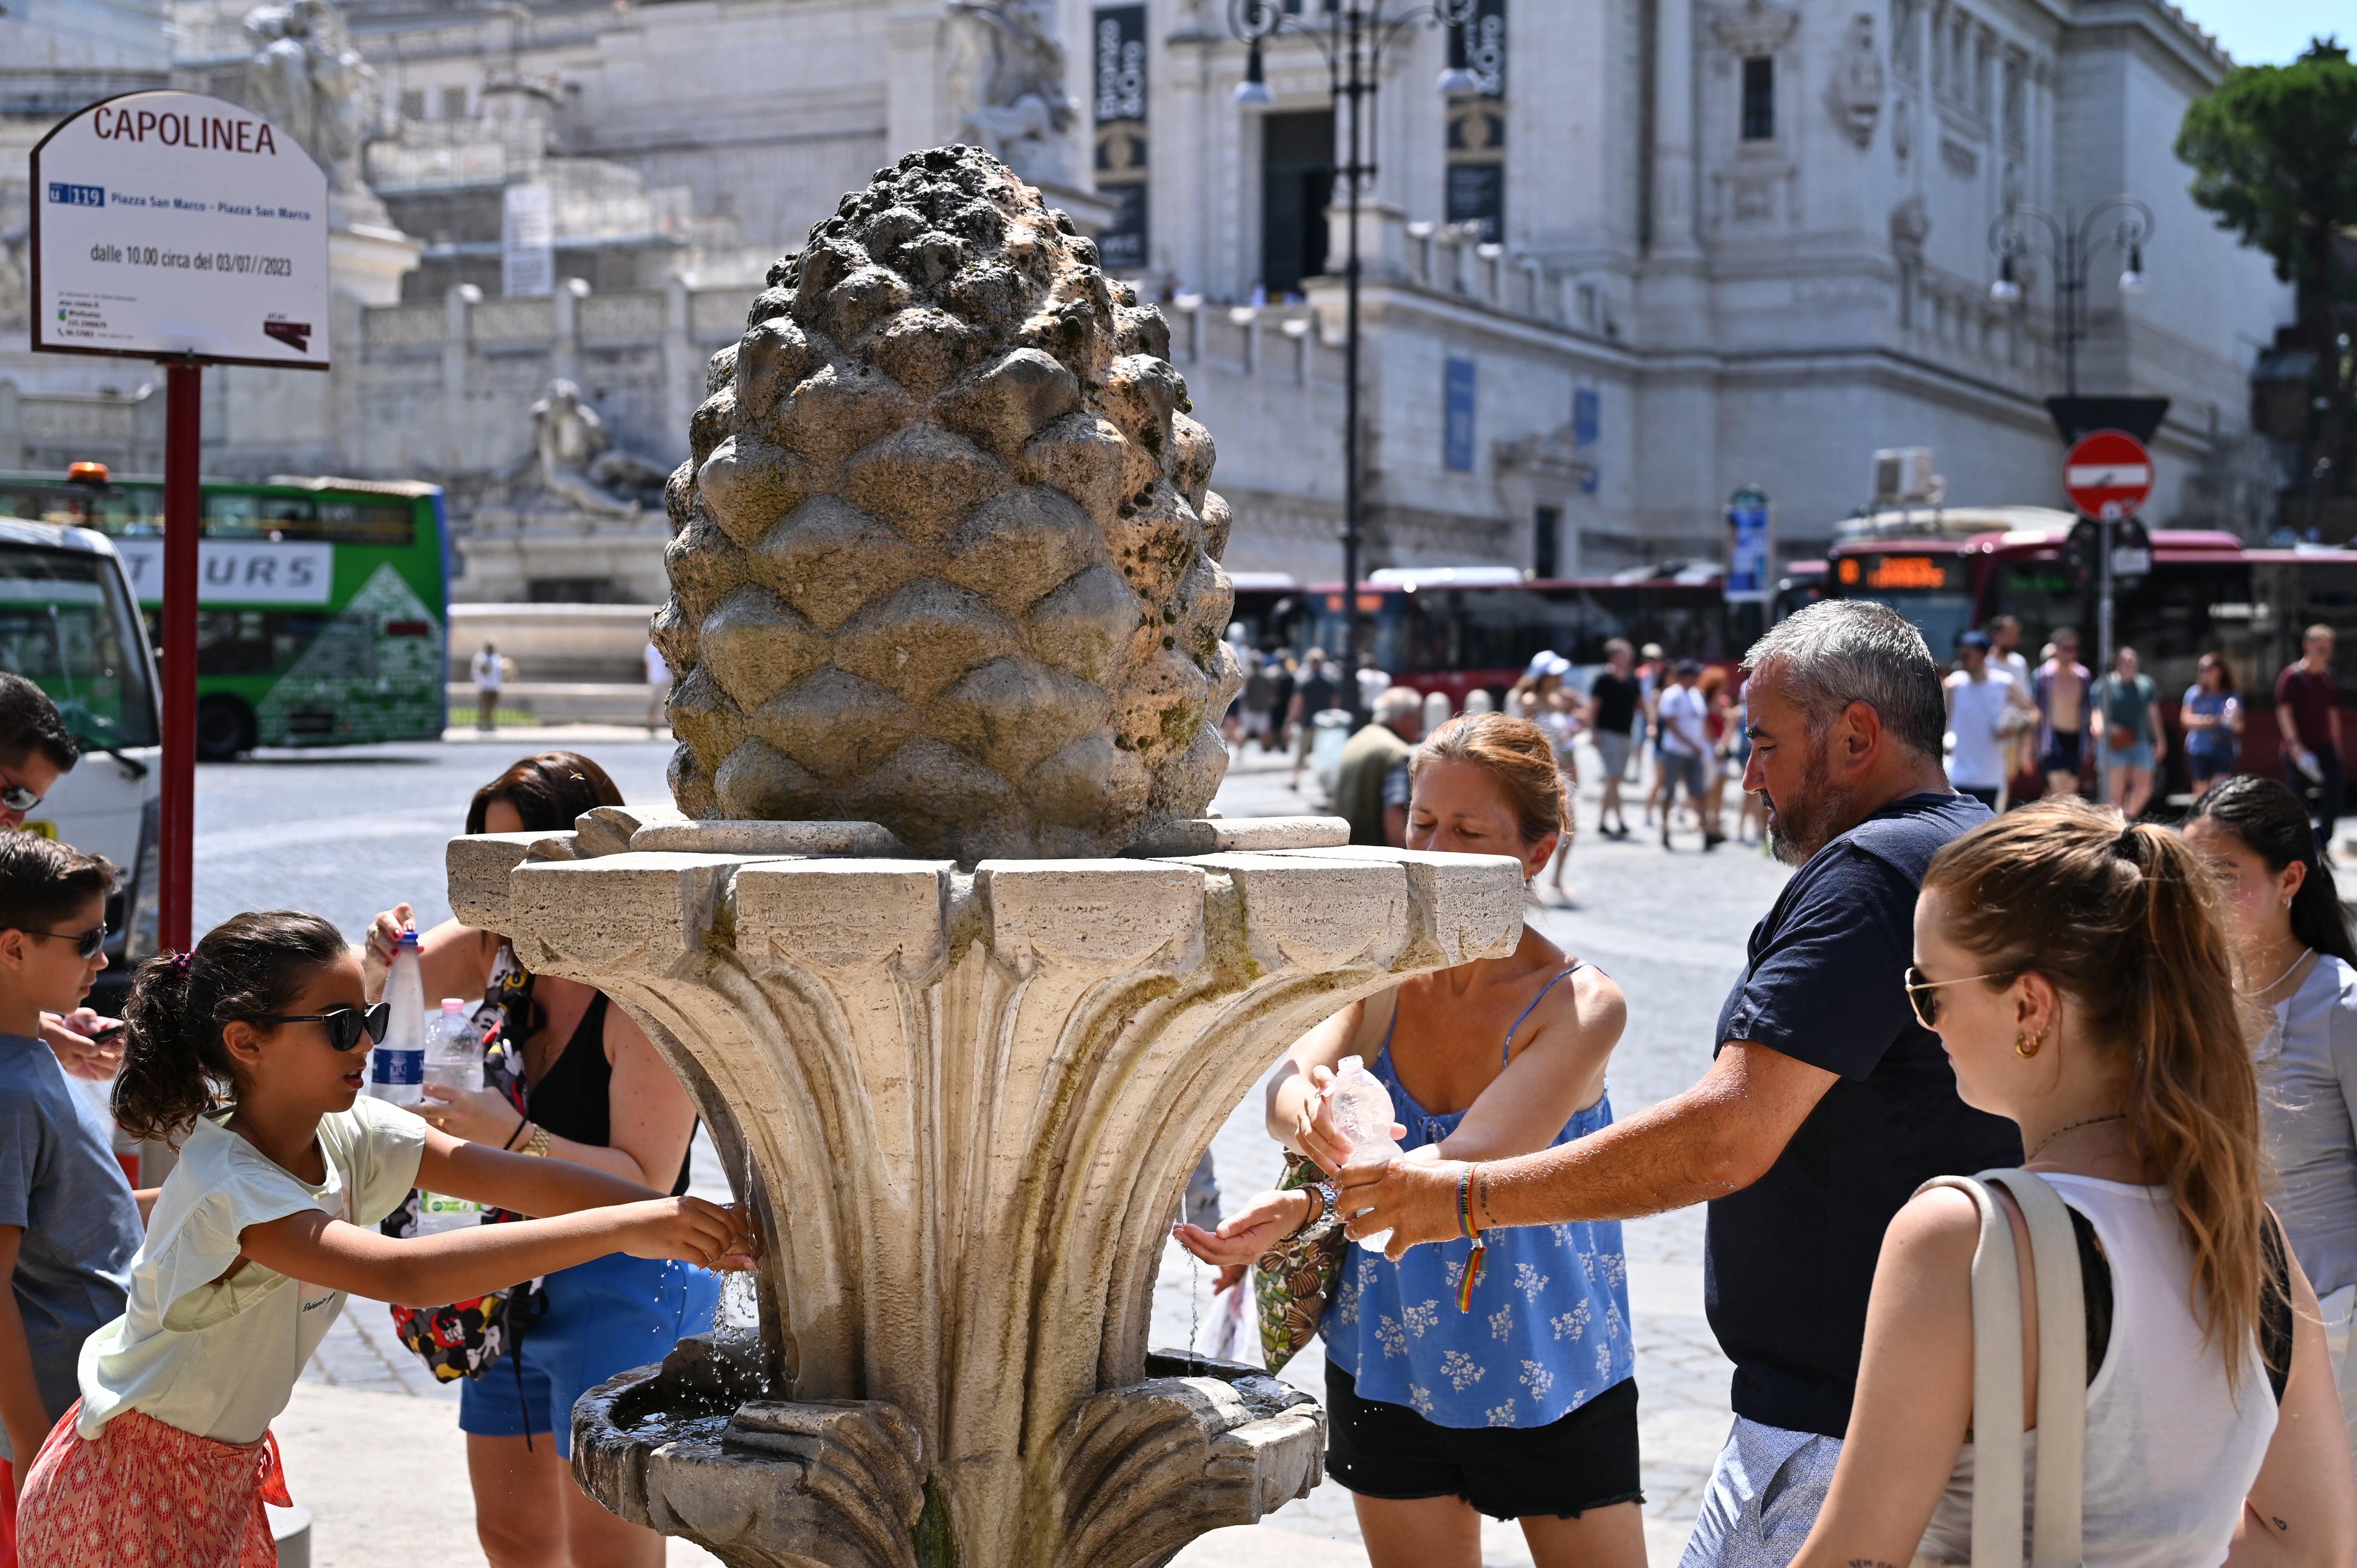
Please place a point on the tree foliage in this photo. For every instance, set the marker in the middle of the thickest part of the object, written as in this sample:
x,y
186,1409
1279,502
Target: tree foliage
x,y
2273,151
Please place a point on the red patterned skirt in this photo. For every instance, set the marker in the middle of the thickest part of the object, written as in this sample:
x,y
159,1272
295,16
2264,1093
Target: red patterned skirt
x,y
148,1494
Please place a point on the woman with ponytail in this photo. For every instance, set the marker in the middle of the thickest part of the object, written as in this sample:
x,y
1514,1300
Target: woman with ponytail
x,y
250,1053
2299,979
2079,975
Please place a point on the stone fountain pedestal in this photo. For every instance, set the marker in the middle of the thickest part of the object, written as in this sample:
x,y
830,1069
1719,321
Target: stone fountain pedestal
x,y
965,1103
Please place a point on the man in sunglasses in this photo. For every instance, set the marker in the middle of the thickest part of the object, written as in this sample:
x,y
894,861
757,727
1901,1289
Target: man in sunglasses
x,y
1828,1103
36,751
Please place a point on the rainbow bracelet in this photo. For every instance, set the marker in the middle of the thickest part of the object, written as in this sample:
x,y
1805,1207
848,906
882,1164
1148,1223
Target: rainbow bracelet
x,y
1480,1256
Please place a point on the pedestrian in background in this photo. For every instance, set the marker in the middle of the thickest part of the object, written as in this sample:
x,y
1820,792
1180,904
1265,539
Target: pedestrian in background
x,y
2134,743
2060,691
1455,1390
658,687
488,678
1312,696
580,1083
1364,789
1827,1103
2308,720
1686,753
1711,685
69,1221
2211,717
2004,655
1281,676
1652,678
2080,979
1614,699
1979,699
2300,973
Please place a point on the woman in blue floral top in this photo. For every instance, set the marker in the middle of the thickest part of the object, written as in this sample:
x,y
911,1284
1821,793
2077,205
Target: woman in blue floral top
x,y
1522,1403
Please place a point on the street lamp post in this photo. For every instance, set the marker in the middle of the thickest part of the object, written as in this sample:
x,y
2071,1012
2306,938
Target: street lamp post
x,y
2071,243
1353,38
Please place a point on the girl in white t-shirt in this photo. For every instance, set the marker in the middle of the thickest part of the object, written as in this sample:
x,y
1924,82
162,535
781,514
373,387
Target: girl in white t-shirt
x,y
249,1052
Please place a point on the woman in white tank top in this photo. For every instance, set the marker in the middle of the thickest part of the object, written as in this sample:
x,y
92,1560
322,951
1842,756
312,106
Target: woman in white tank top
x,y
2080,977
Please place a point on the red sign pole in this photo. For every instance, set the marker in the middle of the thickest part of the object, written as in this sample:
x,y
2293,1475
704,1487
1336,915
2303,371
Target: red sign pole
x,y
183,415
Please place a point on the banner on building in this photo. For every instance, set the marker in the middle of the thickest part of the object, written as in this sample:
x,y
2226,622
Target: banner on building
x,y
1457,427
1477,124
1121,156
1750,525
528,243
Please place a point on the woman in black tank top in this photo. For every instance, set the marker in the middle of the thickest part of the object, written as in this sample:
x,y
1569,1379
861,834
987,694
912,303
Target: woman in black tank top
x,y
592,1090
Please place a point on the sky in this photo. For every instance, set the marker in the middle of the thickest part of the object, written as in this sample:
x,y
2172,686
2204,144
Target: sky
x,y
2272,32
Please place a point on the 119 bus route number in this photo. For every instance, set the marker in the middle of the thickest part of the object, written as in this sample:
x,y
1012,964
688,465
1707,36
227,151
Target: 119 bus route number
x,y
200,262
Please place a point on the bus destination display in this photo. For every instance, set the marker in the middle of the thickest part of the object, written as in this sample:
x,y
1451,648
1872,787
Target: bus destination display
x,y
170,223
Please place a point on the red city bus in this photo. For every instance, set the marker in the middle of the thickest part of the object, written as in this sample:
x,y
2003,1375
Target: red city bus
x,y
1454,632
2207,592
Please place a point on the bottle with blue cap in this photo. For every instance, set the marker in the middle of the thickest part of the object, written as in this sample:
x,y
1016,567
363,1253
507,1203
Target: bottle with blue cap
x,y
397,1066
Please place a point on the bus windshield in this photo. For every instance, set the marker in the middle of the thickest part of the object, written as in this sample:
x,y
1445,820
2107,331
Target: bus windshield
x,y
67,625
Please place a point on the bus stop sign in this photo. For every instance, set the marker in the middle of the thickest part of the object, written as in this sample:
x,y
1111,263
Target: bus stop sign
x,y
2107,475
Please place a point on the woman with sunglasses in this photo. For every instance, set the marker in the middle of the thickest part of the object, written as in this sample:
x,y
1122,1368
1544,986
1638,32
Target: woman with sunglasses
x,y
578,1081
2079,975
248,1054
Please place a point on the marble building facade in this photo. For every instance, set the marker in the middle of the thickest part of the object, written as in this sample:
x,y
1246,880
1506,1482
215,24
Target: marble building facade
x,y
1674,247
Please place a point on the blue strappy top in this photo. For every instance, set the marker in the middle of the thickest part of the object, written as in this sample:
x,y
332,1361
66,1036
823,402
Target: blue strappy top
x,y
1549,1327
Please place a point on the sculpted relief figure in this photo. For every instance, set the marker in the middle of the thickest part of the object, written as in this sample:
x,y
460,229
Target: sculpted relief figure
x,y
577,460
1853,96
307,77
1007,77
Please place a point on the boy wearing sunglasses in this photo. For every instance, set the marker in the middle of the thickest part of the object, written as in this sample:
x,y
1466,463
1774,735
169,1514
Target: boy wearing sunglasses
x,y
68,1222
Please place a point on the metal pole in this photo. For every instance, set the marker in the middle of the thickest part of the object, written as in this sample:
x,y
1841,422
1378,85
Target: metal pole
x,y
182,417
2072,284
1350,699
2101,727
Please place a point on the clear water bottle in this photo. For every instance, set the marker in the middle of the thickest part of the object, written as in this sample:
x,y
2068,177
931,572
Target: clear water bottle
x,y
397,1066
1362,1114
454,1058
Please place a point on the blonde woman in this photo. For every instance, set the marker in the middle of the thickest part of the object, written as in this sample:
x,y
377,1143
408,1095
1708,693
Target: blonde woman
x,y
2080,980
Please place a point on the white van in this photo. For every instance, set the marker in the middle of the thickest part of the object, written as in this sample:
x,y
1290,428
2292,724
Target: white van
x,y
68,622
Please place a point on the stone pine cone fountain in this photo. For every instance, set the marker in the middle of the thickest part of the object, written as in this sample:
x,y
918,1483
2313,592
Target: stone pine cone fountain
x,y
946,555
945,605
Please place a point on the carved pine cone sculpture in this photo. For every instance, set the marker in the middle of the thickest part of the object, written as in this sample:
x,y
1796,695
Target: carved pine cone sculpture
x,y
945,557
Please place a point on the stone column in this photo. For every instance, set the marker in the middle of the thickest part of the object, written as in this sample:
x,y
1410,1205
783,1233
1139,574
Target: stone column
x,y
1674,176
457,305
683,367
564,350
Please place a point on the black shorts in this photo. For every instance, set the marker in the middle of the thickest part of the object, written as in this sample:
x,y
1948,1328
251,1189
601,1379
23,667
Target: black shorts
x,y
1585,1460
2062,752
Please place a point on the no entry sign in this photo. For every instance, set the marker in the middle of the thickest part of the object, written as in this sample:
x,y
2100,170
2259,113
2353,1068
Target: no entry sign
x,y
2107,475
174,225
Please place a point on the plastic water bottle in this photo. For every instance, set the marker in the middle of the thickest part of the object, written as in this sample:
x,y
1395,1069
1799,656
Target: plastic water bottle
x,y
1362,1114
454,1058
397,1066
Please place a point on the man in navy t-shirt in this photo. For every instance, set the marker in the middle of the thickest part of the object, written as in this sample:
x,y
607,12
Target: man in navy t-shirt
x,y
1825,1106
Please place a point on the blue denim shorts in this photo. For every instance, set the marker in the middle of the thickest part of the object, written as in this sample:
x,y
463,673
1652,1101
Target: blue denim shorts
x,y
604,1317
2137,755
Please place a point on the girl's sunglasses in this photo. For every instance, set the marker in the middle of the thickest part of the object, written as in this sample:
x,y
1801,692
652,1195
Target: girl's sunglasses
x,y
1923,995
86,943
345,1025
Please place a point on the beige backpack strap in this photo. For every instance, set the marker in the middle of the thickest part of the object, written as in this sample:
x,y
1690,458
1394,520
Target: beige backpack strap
x,y
2061,1369
1996,1382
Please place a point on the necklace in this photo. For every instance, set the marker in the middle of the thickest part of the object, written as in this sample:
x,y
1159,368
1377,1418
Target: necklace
x,y
2090,1122
2278,980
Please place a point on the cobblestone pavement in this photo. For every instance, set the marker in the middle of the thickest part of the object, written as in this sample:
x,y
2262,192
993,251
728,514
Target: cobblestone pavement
x,y
348,833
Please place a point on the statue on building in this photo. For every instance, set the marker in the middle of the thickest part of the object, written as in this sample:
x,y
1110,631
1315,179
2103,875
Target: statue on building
x,y
307,78
1853,96
1007,77
577,461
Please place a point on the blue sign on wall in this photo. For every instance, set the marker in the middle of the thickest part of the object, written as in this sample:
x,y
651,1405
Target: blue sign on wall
x,y
1751,521
1587,416
1456,433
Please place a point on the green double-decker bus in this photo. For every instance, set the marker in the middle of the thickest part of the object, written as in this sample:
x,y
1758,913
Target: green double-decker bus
x,y
321,603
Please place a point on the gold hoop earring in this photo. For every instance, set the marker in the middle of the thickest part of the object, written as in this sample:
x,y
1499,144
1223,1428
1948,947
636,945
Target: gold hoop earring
x,y
2035,1046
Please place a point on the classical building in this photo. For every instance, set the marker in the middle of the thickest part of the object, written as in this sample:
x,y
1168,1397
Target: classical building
x,y
1666,248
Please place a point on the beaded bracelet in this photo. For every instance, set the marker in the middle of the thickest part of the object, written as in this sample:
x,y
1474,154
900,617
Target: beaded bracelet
x,y
1480,1255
